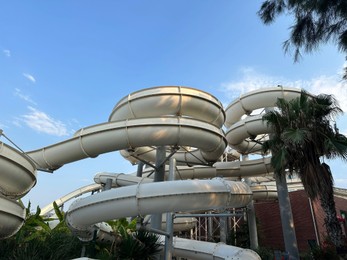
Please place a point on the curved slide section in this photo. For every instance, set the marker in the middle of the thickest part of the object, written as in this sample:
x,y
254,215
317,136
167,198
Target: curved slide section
x,y
170,100
260,98
17,177
72,195
151,198
151,117
240,129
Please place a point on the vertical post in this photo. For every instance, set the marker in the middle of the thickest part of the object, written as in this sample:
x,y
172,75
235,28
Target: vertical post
x,y
234,227
169,216
206,229
156,219
252,226
223,229
210,227
252,223
139,169
108,184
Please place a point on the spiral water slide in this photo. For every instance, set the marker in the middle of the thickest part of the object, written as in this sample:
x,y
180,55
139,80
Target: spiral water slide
x,y
162,116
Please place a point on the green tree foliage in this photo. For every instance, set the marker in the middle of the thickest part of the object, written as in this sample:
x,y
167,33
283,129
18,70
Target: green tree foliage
x,y
36,240
316,22
137,245
239,237
302,137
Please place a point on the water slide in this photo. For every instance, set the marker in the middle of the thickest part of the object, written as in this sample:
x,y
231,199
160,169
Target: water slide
x,y
164,116
17,177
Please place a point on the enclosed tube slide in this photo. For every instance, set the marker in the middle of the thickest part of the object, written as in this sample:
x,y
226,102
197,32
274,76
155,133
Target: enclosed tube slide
x,y
151,198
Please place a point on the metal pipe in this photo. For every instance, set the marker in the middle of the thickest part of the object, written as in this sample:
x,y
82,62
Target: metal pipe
x,y
169,216
252,223
314,221
139,169
209,215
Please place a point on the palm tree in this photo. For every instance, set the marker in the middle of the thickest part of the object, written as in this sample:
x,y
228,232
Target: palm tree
x,y
302,137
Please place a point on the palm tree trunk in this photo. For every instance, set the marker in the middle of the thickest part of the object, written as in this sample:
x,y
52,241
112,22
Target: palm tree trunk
x,y
286,217
330,221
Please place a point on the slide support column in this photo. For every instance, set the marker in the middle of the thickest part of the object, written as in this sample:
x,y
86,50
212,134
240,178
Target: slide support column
x,y
156,219
169,216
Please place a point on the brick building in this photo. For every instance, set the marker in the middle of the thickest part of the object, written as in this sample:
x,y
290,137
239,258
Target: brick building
x,y
308,220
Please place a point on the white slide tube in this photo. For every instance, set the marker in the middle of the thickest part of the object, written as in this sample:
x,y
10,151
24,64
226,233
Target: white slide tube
x,y
12,216
107,137
249,127
239,130
17,172
149,198
72,195
120,179
260,98
17,177
201,250
233,170
173,115
170,100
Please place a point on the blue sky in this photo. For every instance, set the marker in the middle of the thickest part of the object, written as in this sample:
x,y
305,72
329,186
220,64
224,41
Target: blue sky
x,y
65,64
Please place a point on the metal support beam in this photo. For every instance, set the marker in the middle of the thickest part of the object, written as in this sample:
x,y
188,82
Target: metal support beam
x,y
108,184
139,169
252,223
169,216
159,174
223,229
252,226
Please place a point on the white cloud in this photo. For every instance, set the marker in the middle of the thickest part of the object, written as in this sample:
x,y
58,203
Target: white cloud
x,y
330,85
251,80
7,53
41,122
29,77
27,98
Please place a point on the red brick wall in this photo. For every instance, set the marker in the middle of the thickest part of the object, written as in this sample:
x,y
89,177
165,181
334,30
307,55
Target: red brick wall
x,y
269,221
303,220
319,217
341,205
